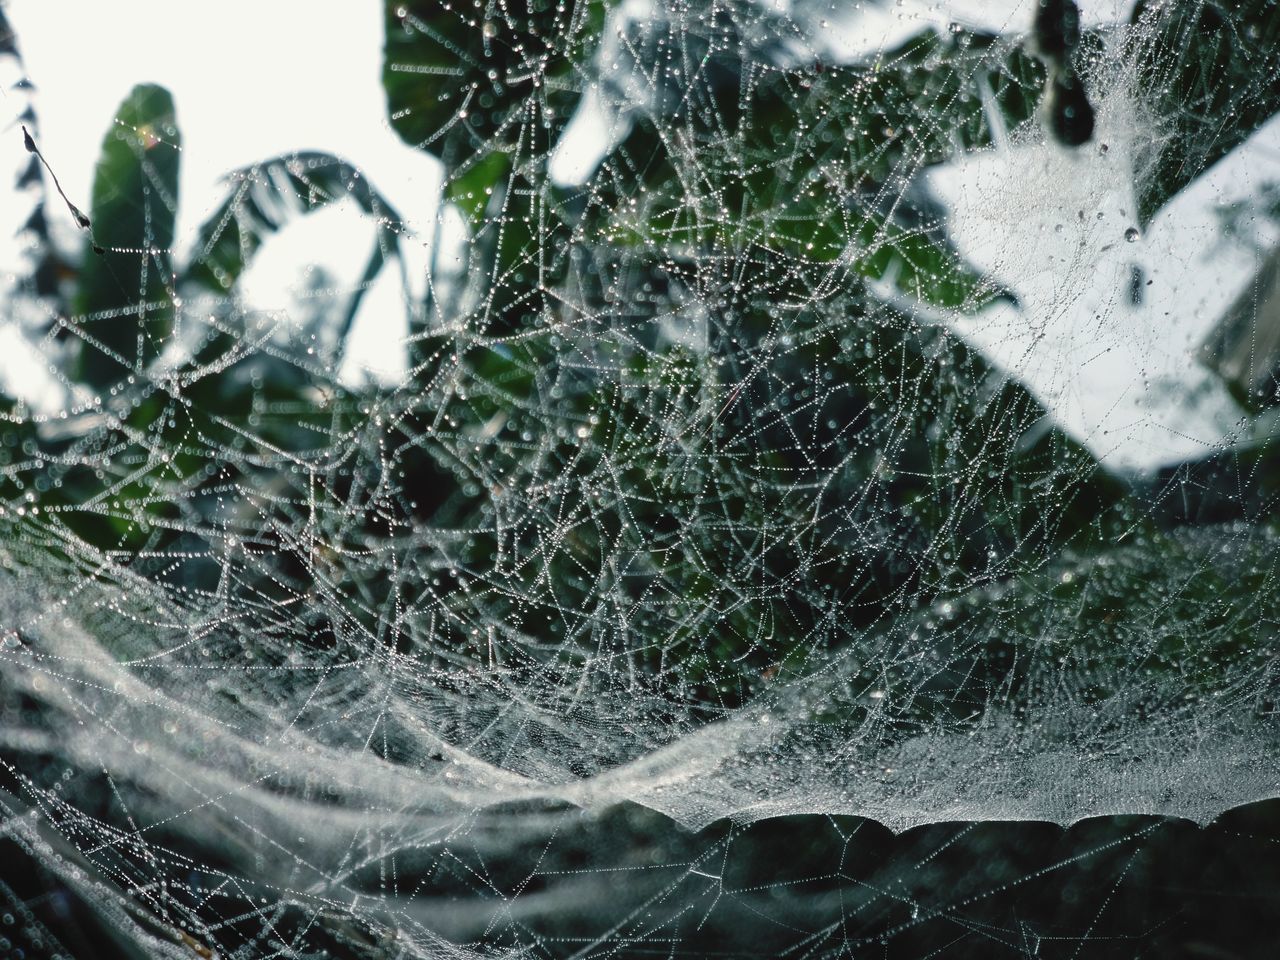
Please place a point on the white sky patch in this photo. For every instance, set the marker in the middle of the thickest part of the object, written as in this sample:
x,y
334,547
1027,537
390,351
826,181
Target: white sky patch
x,y
25,371
848,32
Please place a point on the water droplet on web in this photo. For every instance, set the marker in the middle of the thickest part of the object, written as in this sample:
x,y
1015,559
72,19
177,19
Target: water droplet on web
x,y
1131,234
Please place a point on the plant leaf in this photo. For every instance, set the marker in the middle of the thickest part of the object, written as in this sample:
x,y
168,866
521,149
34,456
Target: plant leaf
x,y
1195,62
124,302
460,83
267,195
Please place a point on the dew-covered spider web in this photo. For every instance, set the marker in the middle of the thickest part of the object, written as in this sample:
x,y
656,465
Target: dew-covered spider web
x,y
831,412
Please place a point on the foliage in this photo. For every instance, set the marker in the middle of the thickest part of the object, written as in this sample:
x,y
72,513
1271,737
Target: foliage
x,y
796,168
672,425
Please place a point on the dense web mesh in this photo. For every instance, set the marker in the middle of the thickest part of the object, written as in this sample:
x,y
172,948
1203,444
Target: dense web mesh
x,y
850,411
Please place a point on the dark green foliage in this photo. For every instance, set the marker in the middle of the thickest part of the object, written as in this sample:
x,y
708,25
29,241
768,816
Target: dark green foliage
x,y
674,435
458,78
808,166
1201,63
486,90
801,172
125,296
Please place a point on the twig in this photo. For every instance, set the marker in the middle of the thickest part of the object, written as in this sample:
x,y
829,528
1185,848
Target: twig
x,y
81,219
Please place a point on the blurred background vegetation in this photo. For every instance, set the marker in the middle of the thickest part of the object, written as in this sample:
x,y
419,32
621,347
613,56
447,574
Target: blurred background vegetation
x,y
567,465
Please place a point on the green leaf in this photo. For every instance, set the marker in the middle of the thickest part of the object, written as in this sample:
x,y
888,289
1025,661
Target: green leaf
x,y
473,186
462,81
1199,69
124,304
814,166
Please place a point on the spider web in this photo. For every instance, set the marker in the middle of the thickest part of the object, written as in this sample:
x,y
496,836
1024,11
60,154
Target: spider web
x,y
800,429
